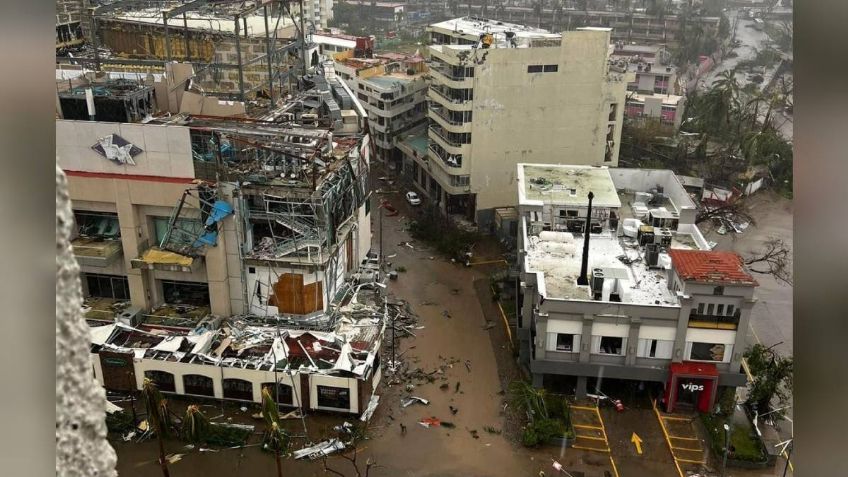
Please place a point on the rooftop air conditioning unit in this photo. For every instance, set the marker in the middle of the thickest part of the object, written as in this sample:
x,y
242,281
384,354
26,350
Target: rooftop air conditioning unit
x,y
130,317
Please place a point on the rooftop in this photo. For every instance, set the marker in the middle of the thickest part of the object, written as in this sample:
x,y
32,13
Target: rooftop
x,y
668,99
418,141
504,34
566,185
205,20
712,267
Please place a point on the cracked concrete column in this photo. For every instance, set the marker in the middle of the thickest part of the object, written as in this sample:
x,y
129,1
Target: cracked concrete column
x,y
81,446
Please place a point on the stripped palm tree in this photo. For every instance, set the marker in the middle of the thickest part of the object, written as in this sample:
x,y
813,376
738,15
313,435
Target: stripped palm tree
x,y
158,417
195,426
276,438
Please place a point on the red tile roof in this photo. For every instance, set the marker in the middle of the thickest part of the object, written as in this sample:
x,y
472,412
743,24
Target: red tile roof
x,y
712,267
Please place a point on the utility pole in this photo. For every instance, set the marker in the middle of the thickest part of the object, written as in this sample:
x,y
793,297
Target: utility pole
x,y
726,449
788,455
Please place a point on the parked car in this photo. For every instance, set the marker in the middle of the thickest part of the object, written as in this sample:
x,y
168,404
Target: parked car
x,y
413,198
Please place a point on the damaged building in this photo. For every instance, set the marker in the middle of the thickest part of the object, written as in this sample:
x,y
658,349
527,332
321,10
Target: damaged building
x,y
617,283
214,217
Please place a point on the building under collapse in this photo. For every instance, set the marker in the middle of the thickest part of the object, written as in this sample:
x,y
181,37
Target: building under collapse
x,y
190,224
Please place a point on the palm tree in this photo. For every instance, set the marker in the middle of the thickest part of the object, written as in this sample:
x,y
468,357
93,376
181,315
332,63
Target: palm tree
x,y
275,437
195,426
158,416
529,399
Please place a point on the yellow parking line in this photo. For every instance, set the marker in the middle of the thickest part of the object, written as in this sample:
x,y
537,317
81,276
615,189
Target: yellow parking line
x,y
687,449
689,461
667,440
584,426
675,418
591,449
684,438
591,437
584,408
614,468
785,456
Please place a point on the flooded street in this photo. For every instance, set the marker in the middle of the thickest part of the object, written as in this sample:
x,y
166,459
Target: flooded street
x,y
443,296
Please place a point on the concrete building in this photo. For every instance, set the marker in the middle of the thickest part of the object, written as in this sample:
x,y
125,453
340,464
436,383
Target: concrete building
x,y
645,302
331,42
316,13
502,94
210,222
651,66
69,32
667,109
386,14
393,89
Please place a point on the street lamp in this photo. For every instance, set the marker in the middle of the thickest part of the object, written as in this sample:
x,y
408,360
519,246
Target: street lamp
x,y
726,449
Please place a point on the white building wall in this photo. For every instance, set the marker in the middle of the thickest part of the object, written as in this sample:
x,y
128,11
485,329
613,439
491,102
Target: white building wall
x,y
319,380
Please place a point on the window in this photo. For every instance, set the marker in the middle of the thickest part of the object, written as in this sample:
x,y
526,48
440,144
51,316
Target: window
x,y
611,345
565,342
184,230
281,392
198,385
100,225
331,396
718,290
729,310
710,309
657,349
551,68
707,352
185,293
700,308
238,389
720,310
164,380
534,69
107,286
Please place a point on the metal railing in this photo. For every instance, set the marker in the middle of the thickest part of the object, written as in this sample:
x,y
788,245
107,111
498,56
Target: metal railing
x,y
440,113
441,134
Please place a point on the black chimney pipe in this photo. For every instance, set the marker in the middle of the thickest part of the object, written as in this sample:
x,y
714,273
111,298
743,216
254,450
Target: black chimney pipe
x,y
583,279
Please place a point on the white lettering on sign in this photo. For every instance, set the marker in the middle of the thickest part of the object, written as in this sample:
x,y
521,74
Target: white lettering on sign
x,y
693,387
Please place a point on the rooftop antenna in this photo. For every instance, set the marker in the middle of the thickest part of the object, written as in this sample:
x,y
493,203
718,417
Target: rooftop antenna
x,y
583,279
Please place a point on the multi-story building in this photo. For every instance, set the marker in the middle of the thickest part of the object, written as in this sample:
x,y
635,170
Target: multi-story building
x,y
502,94
69,32
316,13
667,109
651,66
618,283
216,252
393,89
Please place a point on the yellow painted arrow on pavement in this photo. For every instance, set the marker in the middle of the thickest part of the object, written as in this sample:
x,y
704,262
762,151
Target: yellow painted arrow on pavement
x,y
637,441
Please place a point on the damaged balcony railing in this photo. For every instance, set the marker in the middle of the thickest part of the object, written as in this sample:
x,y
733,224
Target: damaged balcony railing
x,y
186,235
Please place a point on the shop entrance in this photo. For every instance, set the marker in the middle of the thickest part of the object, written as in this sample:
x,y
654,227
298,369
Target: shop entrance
x,y
691,386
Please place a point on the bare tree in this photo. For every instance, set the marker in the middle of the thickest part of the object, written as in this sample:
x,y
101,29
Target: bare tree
x,y
355,434
732,210
774,258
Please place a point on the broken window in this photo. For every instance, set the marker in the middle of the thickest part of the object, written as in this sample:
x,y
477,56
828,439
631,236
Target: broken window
x,y
189,229
107,286
163,379
198,385
185,293
565,342
100,225
334,397
707,352
280,392
653,348
238,389
611,345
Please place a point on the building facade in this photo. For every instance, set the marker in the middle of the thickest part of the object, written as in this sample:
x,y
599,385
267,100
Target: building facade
x,y
503,94
200,237
646,302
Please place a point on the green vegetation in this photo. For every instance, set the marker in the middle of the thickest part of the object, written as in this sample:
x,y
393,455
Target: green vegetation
x,y
772,379
765,59
119,422
443,234
548,414
745,444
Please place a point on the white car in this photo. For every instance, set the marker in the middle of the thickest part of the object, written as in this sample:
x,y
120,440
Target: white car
x,y
413,198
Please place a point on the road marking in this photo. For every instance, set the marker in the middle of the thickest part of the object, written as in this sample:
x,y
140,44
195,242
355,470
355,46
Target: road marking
x,y
590,448
584,408
506,322
668,438
583,426
489,262
614,468
591,437
637,441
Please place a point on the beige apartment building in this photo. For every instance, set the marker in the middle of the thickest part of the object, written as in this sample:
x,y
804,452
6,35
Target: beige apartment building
x,y
502,94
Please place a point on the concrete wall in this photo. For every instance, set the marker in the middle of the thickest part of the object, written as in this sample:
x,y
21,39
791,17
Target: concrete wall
x,y
556,117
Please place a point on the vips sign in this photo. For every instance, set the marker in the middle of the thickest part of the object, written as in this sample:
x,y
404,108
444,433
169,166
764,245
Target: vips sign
x,y
692,387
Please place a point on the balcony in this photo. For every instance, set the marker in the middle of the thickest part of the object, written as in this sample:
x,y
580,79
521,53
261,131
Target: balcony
x,y
445,76
443,98
443,117
450,144
452,160
714,322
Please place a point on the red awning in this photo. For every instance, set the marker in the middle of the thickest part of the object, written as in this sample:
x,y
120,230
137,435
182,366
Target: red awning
x,y
689,368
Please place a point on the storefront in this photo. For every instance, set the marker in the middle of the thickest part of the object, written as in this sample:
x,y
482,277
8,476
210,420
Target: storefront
x,y
691,386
